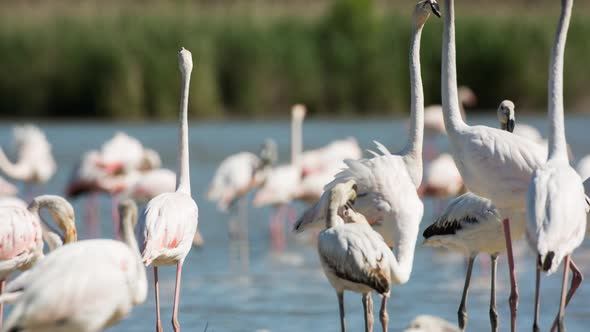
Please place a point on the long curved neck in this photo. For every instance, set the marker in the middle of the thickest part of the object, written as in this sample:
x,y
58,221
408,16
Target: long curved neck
x,y
16,171
69,232
413,149
183,180
557,141
404,257
296,139
450,97
128,219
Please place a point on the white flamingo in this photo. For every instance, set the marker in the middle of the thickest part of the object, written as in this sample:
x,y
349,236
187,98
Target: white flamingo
x,y
35,163
22,232
493,163
123,153
354,257
387,183
556,204
239,173
169,223
109,279
471,225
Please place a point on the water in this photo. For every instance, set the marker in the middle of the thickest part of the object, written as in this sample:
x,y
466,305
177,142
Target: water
x,y
288,291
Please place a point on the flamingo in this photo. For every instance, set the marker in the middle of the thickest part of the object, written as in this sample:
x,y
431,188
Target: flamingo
x,y
240,173
169,223
387,184
353,256
35,163
427,323
556,203
493,163
22,232
123,153
109,279
471,225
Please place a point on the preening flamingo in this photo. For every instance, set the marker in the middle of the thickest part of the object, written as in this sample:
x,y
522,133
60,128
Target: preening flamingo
x,y
355,257
169,223
107,281
22,232
34,161
493,163
556,203
387,183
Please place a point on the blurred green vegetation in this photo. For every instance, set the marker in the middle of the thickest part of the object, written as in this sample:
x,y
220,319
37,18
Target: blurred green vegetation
x,y
350,59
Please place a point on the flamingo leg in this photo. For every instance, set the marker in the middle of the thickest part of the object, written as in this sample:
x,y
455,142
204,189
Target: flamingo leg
x,y
367,303
462,312
561,314
157,291
383,315
115,215
513,300
175,323
493,311
2,284
536,327
341,309
577,278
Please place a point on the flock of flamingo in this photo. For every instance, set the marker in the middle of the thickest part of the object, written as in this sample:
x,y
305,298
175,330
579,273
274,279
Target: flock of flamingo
x,y
504,184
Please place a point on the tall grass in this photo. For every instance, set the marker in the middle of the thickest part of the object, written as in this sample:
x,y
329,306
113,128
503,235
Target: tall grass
x,y
349,60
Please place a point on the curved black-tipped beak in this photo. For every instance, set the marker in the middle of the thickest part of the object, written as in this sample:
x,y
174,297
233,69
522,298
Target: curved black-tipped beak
x,y
510,125
435,8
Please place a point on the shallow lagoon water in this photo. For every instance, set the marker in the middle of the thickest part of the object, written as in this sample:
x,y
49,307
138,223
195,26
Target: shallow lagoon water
x,y
287,291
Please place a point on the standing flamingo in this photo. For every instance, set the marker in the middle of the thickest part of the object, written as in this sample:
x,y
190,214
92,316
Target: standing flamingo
x,y
35,163
169,223
556,203
493,163
123,153
107,281
22,232
387,184
354,257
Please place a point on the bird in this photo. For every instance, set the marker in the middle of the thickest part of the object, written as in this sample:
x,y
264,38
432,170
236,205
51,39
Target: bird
x,y
355,257
123,153
240,173
169,222
34,163
493,163
109,279
428,323
471,225
387,184
442,178
22,231
556,203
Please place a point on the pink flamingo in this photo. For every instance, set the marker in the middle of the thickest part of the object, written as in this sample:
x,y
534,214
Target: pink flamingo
x,y
22,233
169,223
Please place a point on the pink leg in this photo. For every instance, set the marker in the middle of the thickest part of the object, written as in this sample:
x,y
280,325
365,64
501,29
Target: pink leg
x,y
561,314
577,278
513,286
276,231
2,284
115,214
157,290
91,215
175,323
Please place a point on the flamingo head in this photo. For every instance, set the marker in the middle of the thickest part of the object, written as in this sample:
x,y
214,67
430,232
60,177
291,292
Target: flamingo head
x,y
506,115
185,61
423,10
